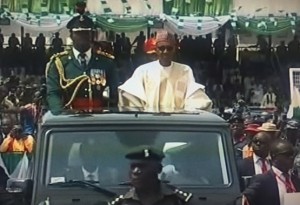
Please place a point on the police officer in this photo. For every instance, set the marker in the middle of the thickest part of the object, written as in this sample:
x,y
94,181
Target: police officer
x,y
292,133
238,134
145,165
80,79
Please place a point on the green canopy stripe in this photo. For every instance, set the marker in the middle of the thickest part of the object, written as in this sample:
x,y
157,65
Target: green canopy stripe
x,y
122,25
266,26
198,7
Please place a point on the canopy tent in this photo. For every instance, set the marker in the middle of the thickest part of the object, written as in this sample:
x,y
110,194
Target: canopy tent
x,y
119,15
266,7
267,17
257,16
195,25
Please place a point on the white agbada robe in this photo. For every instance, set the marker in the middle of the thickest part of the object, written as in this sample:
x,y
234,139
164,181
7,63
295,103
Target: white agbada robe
x,y
153,87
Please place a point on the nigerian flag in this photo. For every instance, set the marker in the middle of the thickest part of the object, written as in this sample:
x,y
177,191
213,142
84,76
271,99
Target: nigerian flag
x,y
16,165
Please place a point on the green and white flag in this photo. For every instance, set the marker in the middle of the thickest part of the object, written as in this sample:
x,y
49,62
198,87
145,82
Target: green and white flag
x,y
15,165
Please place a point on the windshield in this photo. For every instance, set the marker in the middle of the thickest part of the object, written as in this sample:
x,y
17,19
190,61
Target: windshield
x,y
192,158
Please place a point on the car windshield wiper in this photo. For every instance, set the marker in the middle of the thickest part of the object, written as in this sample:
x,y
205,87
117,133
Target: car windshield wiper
x,y
80,183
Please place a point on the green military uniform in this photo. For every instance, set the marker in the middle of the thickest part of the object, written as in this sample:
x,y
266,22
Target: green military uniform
x,y
167,195
74,84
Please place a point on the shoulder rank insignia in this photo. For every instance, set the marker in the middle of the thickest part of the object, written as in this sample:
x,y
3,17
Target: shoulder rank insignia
x,y
52,59
106,54
59,55
185,196
116,200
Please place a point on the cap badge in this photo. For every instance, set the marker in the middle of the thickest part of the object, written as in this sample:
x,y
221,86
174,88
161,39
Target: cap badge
x,y
81,18
146,152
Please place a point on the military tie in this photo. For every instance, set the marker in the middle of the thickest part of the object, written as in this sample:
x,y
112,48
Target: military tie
x,y
82,59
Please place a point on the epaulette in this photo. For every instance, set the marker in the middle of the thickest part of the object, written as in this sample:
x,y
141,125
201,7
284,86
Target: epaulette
x,y
59,55
184,196
116,200
108,55
52,58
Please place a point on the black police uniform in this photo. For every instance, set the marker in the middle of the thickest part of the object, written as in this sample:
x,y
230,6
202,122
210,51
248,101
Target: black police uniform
x,y
238,145
168,194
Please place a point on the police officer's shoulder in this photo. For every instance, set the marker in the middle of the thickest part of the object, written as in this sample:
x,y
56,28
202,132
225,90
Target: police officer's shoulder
x,y
117,200
182,195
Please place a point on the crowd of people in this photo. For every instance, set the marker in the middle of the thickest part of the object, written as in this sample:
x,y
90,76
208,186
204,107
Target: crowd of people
x,y
84,79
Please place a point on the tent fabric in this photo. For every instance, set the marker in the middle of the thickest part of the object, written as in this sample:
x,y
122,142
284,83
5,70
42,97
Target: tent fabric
x,y
117,7
121,24
194,26
265,26
197,7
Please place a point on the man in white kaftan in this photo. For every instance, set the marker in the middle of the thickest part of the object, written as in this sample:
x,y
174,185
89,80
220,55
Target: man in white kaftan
x,y
163,85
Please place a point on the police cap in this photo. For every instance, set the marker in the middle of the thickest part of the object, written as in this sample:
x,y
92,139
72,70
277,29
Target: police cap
x,y
145,152
236,119
293,125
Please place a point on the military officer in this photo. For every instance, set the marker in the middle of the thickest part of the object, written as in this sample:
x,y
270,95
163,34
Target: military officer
x,y
145,165
80,79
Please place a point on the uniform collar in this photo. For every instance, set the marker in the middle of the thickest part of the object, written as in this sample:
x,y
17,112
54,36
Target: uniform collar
x,y
88,54
164,191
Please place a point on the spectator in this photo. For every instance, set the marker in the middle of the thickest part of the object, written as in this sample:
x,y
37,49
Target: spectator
x,y
256,95
57,44
27,54
13,41
40,54
219,45
140,40
250,131
16,141
40,42
5,127
294,49
270,129
269,99
259,162
270,188
1,40
281,51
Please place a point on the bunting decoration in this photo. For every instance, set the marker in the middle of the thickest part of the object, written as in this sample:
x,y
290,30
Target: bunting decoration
x,y
127,7
106,8
195,26
148,4
44,9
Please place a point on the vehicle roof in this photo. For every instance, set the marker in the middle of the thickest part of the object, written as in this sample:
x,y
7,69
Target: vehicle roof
x,y
199,117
